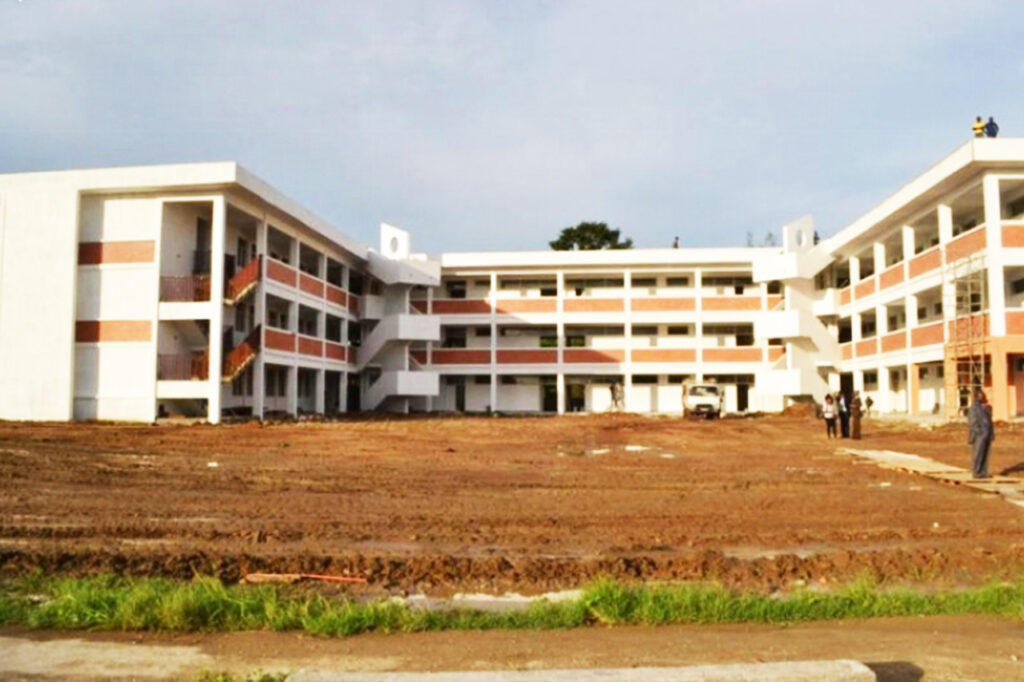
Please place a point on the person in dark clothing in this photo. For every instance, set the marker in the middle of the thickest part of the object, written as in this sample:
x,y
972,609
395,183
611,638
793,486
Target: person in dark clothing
x,y
991,128
856,410
980,434
843,405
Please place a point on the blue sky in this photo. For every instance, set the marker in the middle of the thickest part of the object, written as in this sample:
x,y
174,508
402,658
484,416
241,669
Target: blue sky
x,y
492,125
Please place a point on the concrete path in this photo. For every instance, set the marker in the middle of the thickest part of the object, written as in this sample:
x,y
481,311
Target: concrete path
x,y
1010,489
796,671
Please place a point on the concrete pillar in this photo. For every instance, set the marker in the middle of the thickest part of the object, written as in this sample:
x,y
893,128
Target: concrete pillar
x,y
913,388
909,242
292,390
879,255
318,391
698,328
855,329
218,229
999,395
945,215
994,258
560,391
854,269
258,377
430,347
560,334
885,397
494,343
858,380
627,378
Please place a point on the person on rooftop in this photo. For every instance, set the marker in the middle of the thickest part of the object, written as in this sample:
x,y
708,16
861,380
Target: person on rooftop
x,y
991,128
979,127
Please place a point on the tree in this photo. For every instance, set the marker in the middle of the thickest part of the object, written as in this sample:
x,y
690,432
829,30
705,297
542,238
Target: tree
x,y
589,237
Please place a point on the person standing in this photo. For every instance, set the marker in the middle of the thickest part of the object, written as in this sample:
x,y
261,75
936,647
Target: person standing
x,y
617,397
856,410
828,412
991,128
981,432
843,408
978,128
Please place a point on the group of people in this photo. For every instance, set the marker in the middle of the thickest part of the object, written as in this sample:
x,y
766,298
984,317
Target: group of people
x,y
846,411
982,129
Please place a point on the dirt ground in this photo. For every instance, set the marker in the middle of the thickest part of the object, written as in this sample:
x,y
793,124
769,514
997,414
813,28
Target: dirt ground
x,y
493,504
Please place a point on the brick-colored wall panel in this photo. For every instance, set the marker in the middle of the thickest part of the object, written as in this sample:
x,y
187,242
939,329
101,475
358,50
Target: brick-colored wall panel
x,y
96,253
593,355
893,342
334,351
527,305
1013,236
279,340
775,353
926,335
279,272
732,354
419,356
1015,323
594,305
457,306
354,304
845,296
847,351
773,301
891,277
866,347
664,355
458,356
125,331
975,325
663,305
925,262
311,285
965,245
527,356
311,346
865,288
731,303
419,304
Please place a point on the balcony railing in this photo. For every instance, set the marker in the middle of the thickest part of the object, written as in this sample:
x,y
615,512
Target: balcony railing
x,y
186,288
183,367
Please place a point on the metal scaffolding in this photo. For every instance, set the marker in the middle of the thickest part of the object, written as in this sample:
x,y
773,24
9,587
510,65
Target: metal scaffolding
x,y
965,295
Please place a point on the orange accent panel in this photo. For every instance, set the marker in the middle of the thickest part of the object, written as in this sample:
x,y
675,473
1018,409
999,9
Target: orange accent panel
x,y
94,331
894,341
661,305
592,355
966,244
976,325
926,335
279,340
847,349
664,355
311,346
732,303
279,272
353,304
311,285
733,355
891,277
865,288
1013,236
1014,323
335,295
925,262
94,253
419,304
865,347
536,305
594,305
528,356
844,296
914,379
419,356
334,351
451,356
460,306
772,301
775,352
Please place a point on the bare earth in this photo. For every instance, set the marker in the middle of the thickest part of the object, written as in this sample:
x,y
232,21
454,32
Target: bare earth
x,y
526,504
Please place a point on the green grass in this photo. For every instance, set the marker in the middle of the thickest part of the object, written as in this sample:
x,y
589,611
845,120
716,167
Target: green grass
x,y
205,604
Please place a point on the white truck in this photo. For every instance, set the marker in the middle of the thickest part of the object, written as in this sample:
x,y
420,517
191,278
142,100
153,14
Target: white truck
x,y
705,400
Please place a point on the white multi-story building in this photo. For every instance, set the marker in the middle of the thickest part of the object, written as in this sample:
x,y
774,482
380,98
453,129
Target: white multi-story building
x,y
131,293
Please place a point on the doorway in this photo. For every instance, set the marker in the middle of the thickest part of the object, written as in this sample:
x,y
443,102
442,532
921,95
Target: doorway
x,y
549,396
742,397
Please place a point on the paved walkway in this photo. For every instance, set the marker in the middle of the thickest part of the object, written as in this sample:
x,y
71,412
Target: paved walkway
x,y
1010,489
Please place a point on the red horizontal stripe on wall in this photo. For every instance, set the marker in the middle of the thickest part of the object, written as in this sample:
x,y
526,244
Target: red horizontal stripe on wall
x,y
94,331
96,253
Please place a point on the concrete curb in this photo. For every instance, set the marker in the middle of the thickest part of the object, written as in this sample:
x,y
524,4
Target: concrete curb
x,y
795,671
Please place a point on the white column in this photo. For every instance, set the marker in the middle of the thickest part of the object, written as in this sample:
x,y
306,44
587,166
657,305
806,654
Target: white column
x,y
698,330
884,391
318,391
854,269
430,349
855,329
560,333
627,328
945,214
909,242
292,390
494,342
994,257
258,384
878,249
217,233
858,380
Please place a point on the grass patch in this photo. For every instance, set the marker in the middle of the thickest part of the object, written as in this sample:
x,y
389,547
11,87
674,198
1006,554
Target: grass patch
x,y
207,605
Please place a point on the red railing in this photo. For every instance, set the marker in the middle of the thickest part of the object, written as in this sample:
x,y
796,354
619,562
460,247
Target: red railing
x,y
183,367
244,280
239,357
186,288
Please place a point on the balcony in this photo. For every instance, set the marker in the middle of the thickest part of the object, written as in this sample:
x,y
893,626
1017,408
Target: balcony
x,y
187,288
183,367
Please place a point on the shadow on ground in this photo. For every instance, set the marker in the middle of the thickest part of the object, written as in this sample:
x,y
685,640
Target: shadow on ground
x,y
896,671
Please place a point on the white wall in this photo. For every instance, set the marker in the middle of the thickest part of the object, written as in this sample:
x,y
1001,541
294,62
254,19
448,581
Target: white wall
x,y
38,258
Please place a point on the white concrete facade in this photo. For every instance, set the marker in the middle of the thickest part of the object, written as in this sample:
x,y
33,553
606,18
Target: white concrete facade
x,y
198,289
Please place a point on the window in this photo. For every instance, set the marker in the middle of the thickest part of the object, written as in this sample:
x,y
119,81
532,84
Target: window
x,y
454,337
641,379
870,379
549,341
456,289
678,378
307,383
276,380
482,332
677,281
482,380
775,287
644,282
639,330
679,330
937,308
